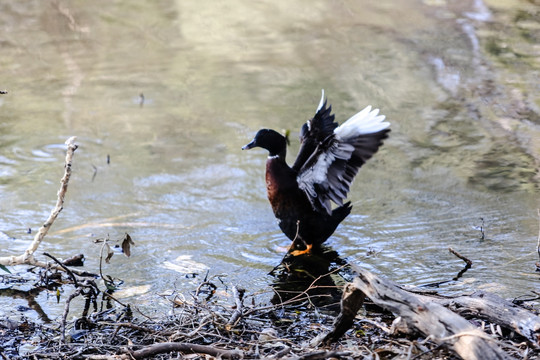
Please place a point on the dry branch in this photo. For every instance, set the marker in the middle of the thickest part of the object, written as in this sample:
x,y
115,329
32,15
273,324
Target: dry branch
x,y
72,296
323,354
28,256
468,263
419,314
237,314
161,348
351,302
538,241
493,308
167,347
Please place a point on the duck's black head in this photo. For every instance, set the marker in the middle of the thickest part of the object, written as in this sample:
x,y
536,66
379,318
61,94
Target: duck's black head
x,y
271,140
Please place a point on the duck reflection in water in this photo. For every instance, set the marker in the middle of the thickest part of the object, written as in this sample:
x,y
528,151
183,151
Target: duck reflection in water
x,y
310,279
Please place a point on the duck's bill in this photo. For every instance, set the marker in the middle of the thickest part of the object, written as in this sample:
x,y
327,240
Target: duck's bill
x,y
249,146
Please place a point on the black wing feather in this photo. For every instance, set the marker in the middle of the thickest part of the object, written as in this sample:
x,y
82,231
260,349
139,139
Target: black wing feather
x,y
313,133
341,160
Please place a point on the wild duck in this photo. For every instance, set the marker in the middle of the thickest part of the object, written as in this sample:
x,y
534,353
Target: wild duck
x,y
328,160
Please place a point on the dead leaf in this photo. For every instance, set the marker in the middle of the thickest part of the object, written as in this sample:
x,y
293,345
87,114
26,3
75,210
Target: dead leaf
x,y
126,245
110,253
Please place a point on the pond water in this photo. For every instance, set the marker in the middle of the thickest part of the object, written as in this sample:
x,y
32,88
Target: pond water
x,y
169,91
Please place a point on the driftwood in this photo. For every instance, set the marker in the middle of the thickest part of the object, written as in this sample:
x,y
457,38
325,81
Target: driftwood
x,y
424,315
494,309
351,301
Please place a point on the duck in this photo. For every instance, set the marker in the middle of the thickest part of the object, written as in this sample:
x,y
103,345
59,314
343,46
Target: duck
x,y
330,155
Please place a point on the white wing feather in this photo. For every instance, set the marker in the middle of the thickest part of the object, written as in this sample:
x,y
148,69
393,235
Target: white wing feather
x,y
366,121
321,103
317,174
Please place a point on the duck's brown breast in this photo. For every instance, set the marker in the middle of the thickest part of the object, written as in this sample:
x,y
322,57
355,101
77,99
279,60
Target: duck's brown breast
x,y
281,185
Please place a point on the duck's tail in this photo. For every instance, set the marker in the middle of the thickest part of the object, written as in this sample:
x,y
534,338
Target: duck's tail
x,y
340,213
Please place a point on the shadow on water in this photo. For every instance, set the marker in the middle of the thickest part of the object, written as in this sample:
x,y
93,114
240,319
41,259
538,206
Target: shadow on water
x,y
30,297
314,279
42,287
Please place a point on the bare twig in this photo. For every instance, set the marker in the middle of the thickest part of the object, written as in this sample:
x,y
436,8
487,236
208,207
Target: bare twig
x,y
43,230
70,273
322,354
468,263
105,293
237,314
128,325
28,256
538,242
377,324
161,348
72,296
482,229
95,172
212,287
177,334
297,238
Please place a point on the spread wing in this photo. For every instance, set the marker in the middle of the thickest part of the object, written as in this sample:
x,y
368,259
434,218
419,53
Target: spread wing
x,y
329,169
314,132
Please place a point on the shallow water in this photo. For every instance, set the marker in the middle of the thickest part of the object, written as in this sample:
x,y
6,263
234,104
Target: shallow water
x,y
458,82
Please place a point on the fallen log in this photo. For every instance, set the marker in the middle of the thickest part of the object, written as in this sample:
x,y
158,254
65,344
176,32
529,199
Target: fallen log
x,y
418,314
496,310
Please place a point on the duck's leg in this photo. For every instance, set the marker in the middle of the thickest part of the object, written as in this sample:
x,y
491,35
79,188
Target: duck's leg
x,y
297,238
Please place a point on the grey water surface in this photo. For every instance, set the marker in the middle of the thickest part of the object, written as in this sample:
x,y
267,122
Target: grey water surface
x,y
171,90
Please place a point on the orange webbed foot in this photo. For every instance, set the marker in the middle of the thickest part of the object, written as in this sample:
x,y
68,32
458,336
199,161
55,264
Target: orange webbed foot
x,y
307,250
